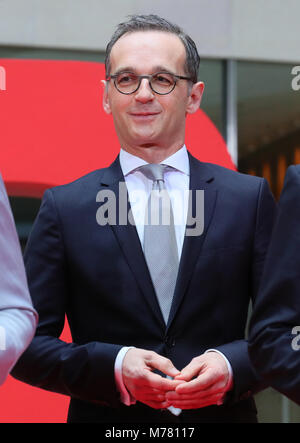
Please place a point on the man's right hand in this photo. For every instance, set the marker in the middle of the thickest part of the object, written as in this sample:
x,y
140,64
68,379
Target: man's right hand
x,y
142,383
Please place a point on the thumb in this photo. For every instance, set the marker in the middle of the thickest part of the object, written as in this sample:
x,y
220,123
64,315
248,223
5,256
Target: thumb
x,y
190,371
164,365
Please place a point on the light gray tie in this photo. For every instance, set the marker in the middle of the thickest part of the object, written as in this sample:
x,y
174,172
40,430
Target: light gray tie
x,y
160,247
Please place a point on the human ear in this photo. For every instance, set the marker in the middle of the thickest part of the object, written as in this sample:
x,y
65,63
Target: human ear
x,y
195,97
105,99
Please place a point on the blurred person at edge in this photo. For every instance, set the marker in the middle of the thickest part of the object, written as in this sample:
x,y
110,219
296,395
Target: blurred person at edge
x,y
275,322
18,319
128,363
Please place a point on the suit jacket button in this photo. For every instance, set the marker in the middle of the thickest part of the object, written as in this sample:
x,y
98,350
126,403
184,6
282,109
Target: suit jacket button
x,y
170,341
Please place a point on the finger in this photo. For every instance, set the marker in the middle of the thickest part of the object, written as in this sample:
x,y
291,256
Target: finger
x,y
153,391
146,392
148,396
155,381
191,370
213,391
163,364
154,397
204,381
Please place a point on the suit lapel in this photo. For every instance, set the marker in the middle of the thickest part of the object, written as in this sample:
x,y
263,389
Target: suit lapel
x,y
201,178
128,239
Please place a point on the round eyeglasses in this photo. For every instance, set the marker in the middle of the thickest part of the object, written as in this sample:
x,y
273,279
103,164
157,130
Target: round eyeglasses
x,y
161,82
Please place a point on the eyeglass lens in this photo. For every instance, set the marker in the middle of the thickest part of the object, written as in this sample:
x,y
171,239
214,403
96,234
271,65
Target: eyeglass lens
x,y
162,83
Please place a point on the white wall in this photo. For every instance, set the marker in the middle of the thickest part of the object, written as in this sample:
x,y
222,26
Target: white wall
x,y
242,29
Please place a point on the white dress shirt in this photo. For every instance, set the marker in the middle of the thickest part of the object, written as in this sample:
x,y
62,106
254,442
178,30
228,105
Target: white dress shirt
x,y
139,187
18,319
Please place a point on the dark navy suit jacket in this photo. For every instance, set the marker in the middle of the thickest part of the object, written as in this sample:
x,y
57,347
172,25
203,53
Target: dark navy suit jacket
x,y
98,276
274,339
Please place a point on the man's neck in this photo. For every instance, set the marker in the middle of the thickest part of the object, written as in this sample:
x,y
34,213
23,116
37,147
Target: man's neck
x,y
153,153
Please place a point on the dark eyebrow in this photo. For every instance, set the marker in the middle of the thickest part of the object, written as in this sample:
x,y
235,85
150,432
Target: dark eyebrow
x,y
161,69
126,69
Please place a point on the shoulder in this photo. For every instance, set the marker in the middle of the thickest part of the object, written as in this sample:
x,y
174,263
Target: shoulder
x,y
75,197
293,174
77,188
233,180
4,202
81,182
2,187
291,189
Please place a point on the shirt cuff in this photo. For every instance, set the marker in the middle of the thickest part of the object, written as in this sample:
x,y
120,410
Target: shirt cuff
x,y
125,395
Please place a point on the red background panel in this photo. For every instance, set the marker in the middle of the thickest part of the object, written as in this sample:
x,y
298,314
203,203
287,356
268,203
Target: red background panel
x,y
53,127
53,130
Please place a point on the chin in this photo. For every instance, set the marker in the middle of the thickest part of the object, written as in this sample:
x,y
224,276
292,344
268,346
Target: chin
x,y
141,139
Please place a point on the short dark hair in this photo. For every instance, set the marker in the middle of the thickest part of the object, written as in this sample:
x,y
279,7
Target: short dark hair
x,y
154,22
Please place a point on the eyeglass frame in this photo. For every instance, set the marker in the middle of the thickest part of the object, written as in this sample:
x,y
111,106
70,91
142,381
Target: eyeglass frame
x,y
149,77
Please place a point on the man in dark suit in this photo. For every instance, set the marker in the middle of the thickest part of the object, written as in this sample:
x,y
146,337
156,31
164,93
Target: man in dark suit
x,y
158,326
274,343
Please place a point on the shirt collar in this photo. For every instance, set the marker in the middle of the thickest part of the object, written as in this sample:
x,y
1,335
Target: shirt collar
x,y
179,160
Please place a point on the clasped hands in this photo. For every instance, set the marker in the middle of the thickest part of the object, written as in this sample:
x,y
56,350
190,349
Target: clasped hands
x,y
203,382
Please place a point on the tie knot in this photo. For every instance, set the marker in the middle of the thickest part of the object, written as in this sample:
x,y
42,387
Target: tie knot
x,y
153,171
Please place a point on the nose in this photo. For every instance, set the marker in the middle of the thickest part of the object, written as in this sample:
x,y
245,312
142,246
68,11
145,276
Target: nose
x,y
144,93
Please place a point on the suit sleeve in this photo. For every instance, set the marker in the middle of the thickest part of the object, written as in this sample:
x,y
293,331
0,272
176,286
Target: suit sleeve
x,y
273,341
84,371
245,378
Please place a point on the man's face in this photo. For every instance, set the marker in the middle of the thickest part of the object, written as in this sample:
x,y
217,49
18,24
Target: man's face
x,y
145,118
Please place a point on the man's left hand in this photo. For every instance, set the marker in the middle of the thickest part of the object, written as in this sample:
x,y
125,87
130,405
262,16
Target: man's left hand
x,y
205,382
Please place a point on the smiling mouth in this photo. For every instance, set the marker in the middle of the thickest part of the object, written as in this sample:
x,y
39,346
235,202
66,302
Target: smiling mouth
x,y
144,116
